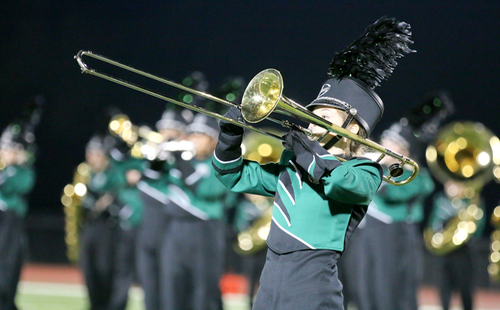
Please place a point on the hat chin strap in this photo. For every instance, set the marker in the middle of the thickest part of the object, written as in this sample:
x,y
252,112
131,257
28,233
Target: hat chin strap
x,y
348,120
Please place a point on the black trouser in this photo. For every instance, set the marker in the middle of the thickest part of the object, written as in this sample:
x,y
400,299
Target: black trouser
x,y
149,239
192,264
97,259
12,250
300,280
124,268
392,267
457,272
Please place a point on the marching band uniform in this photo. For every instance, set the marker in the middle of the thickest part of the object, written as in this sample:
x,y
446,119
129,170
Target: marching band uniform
x,y
98,237
393,254
292,241
16,181
128,219
153,189
193,244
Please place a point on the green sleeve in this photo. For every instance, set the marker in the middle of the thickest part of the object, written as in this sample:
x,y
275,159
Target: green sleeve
x,y
18,180
353,182
132,212
113,179
245,176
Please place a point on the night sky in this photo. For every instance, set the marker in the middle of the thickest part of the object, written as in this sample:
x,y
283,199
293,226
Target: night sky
x,y
457,50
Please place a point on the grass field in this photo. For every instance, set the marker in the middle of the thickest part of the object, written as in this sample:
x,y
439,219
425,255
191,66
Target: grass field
x,y
54,287
59,296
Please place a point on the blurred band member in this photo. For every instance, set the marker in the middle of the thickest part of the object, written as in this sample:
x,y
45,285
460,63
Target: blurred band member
x,y
17,178
457,266
391,234
99,230
128,219
193,242
153,193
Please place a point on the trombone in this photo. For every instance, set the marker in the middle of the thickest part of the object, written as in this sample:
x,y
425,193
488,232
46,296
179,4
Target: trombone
x,y
263,96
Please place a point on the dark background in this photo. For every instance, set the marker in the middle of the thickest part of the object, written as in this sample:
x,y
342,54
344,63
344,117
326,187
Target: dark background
x,y
457,49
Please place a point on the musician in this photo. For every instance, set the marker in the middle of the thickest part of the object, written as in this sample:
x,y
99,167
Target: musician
x,y
391,238
194,240
456,268
319,200
99,231
17,177
128,220
153,192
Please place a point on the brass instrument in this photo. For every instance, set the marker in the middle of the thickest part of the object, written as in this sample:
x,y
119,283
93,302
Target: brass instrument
x,y
253,239
494,258
262,149
73,195
152,144
263,96
466,153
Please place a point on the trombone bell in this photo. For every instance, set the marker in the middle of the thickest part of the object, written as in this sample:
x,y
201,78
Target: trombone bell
x,y
262,95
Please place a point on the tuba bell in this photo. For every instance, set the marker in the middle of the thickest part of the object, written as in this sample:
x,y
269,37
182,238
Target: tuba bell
x,y
465,153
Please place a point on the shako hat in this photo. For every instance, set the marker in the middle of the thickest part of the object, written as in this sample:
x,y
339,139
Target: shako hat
x,y
205,125
357,70
175,119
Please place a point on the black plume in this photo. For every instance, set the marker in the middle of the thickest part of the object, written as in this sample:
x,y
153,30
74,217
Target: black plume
x,y
372,57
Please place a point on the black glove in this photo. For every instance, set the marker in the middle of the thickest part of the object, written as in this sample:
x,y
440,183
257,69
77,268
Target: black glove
x,y
230,129
230,137
308,154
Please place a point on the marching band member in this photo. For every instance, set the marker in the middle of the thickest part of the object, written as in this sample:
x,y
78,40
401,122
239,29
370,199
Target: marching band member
x,y
456,268
128,221
17,178
391,235
97,252
193,247
154,188
319,200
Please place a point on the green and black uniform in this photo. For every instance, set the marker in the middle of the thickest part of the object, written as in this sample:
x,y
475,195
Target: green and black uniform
x,y
99,235
193,243
388,247
128,218
16,182
153,189
315,214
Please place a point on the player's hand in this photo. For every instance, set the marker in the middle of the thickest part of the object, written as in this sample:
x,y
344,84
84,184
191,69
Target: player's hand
x,y
228,128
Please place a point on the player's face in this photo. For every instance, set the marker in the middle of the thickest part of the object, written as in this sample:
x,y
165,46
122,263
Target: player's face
x,y
97,160
332,115
204,145
170,134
